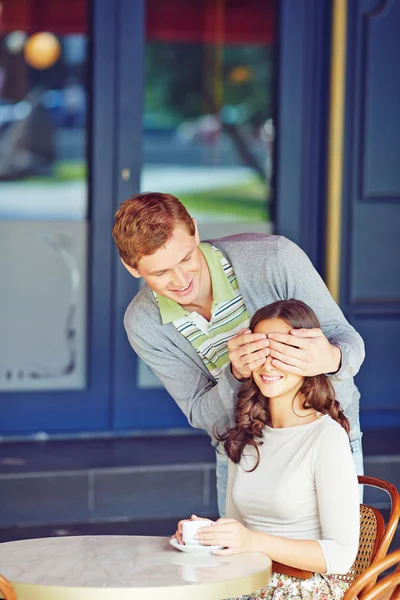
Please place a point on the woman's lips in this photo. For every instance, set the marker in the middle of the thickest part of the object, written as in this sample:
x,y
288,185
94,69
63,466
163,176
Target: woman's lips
x,y
271,378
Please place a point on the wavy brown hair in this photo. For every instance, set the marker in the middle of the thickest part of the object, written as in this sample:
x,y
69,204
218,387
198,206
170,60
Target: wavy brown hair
x,y
252,408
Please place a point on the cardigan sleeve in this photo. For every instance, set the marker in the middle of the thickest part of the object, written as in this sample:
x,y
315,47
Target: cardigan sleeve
x,y
303,282
207,404
338,500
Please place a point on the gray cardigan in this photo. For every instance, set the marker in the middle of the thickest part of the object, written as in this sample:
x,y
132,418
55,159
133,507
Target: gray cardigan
x,y
268,268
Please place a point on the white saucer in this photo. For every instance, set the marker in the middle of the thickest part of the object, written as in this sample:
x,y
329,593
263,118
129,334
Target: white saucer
x,y
194,548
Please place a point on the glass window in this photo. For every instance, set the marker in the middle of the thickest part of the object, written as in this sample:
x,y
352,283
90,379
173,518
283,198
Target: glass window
x,y
208,128
43,194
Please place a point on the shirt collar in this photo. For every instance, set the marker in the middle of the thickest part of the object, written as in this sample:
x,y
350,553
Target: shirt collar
x,y
222,289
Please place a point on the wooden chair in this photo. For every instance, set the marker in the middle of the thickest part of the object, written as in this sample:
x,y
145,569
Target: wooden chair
x,y
375,538
388,587
6,589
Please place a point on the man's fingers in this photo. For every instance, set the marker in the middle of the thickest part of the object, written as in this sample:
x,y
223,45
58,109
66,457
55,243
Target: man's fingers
x,y
306,333
256,364
244,340
243,358
287,351
246,350
278,364
289,340
248,359
255,346
289,361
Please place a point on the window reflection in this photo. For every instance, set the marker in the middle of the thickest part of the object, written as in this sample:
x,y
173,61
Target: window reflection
x,y
43,194
43,114
208,129
206,133
208,125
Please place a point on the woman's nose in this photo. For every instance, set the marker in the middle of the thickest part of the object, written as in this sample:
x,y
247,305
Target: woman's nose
x,y
268,363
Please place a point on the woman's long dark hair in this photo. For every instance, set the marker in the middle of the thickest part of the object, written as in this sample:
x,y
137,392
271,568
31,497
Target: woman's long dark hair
x,y
252,408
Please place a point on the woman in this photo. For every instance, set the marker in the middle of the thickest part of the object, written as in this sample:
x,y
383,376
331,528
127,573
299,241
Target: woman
x,y
292,489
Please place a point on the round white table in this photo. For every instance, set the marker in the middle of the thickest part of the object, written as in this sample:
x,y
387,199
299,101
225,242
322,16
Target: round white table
x,y
126,567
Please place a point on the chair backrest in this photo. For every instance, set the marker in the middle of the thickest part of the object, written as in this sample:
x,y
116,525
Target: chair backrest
x,y
6,589
392,522
375,538
386,586
394,512
372,528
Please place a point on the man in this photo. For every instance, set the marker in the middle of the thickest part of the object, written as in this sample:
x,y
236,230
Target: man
x,y
190,322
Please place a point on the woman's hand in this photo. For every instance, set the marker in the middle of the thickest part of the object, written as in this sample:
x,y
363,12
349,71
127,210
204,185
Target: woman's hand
x,y
231,534
178,532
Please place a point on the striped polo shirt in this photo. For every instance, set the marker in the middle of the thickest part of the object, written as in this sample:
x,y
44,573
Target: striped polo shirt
x,y
228,314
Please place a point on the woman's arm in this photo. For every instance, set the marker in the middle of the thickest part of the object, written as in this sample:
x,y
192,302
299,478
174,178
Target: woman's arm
x,y
338,499
236,538
302,554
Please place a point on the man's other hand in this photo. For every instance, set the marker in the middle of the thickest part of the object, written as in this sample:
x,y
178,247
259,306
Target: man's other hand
x,y
247,351
305,352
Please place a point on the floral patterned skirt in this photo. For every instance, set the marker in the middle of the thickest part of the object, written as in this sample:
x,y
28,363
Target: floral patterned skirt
x,y
317,587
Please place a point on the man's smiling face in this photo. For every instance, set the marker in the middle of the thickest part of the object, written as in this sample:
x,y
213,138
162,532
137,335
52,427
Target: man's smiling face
x,y
175,270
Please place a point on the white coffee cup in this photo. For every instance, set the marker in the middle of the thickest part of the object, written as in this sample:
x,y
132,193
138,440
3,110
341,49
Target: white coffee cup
x,y
189,530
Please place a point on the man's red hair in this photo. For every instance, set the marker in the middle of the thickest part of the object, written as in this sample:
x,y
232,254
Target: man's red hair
x,y
145,222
